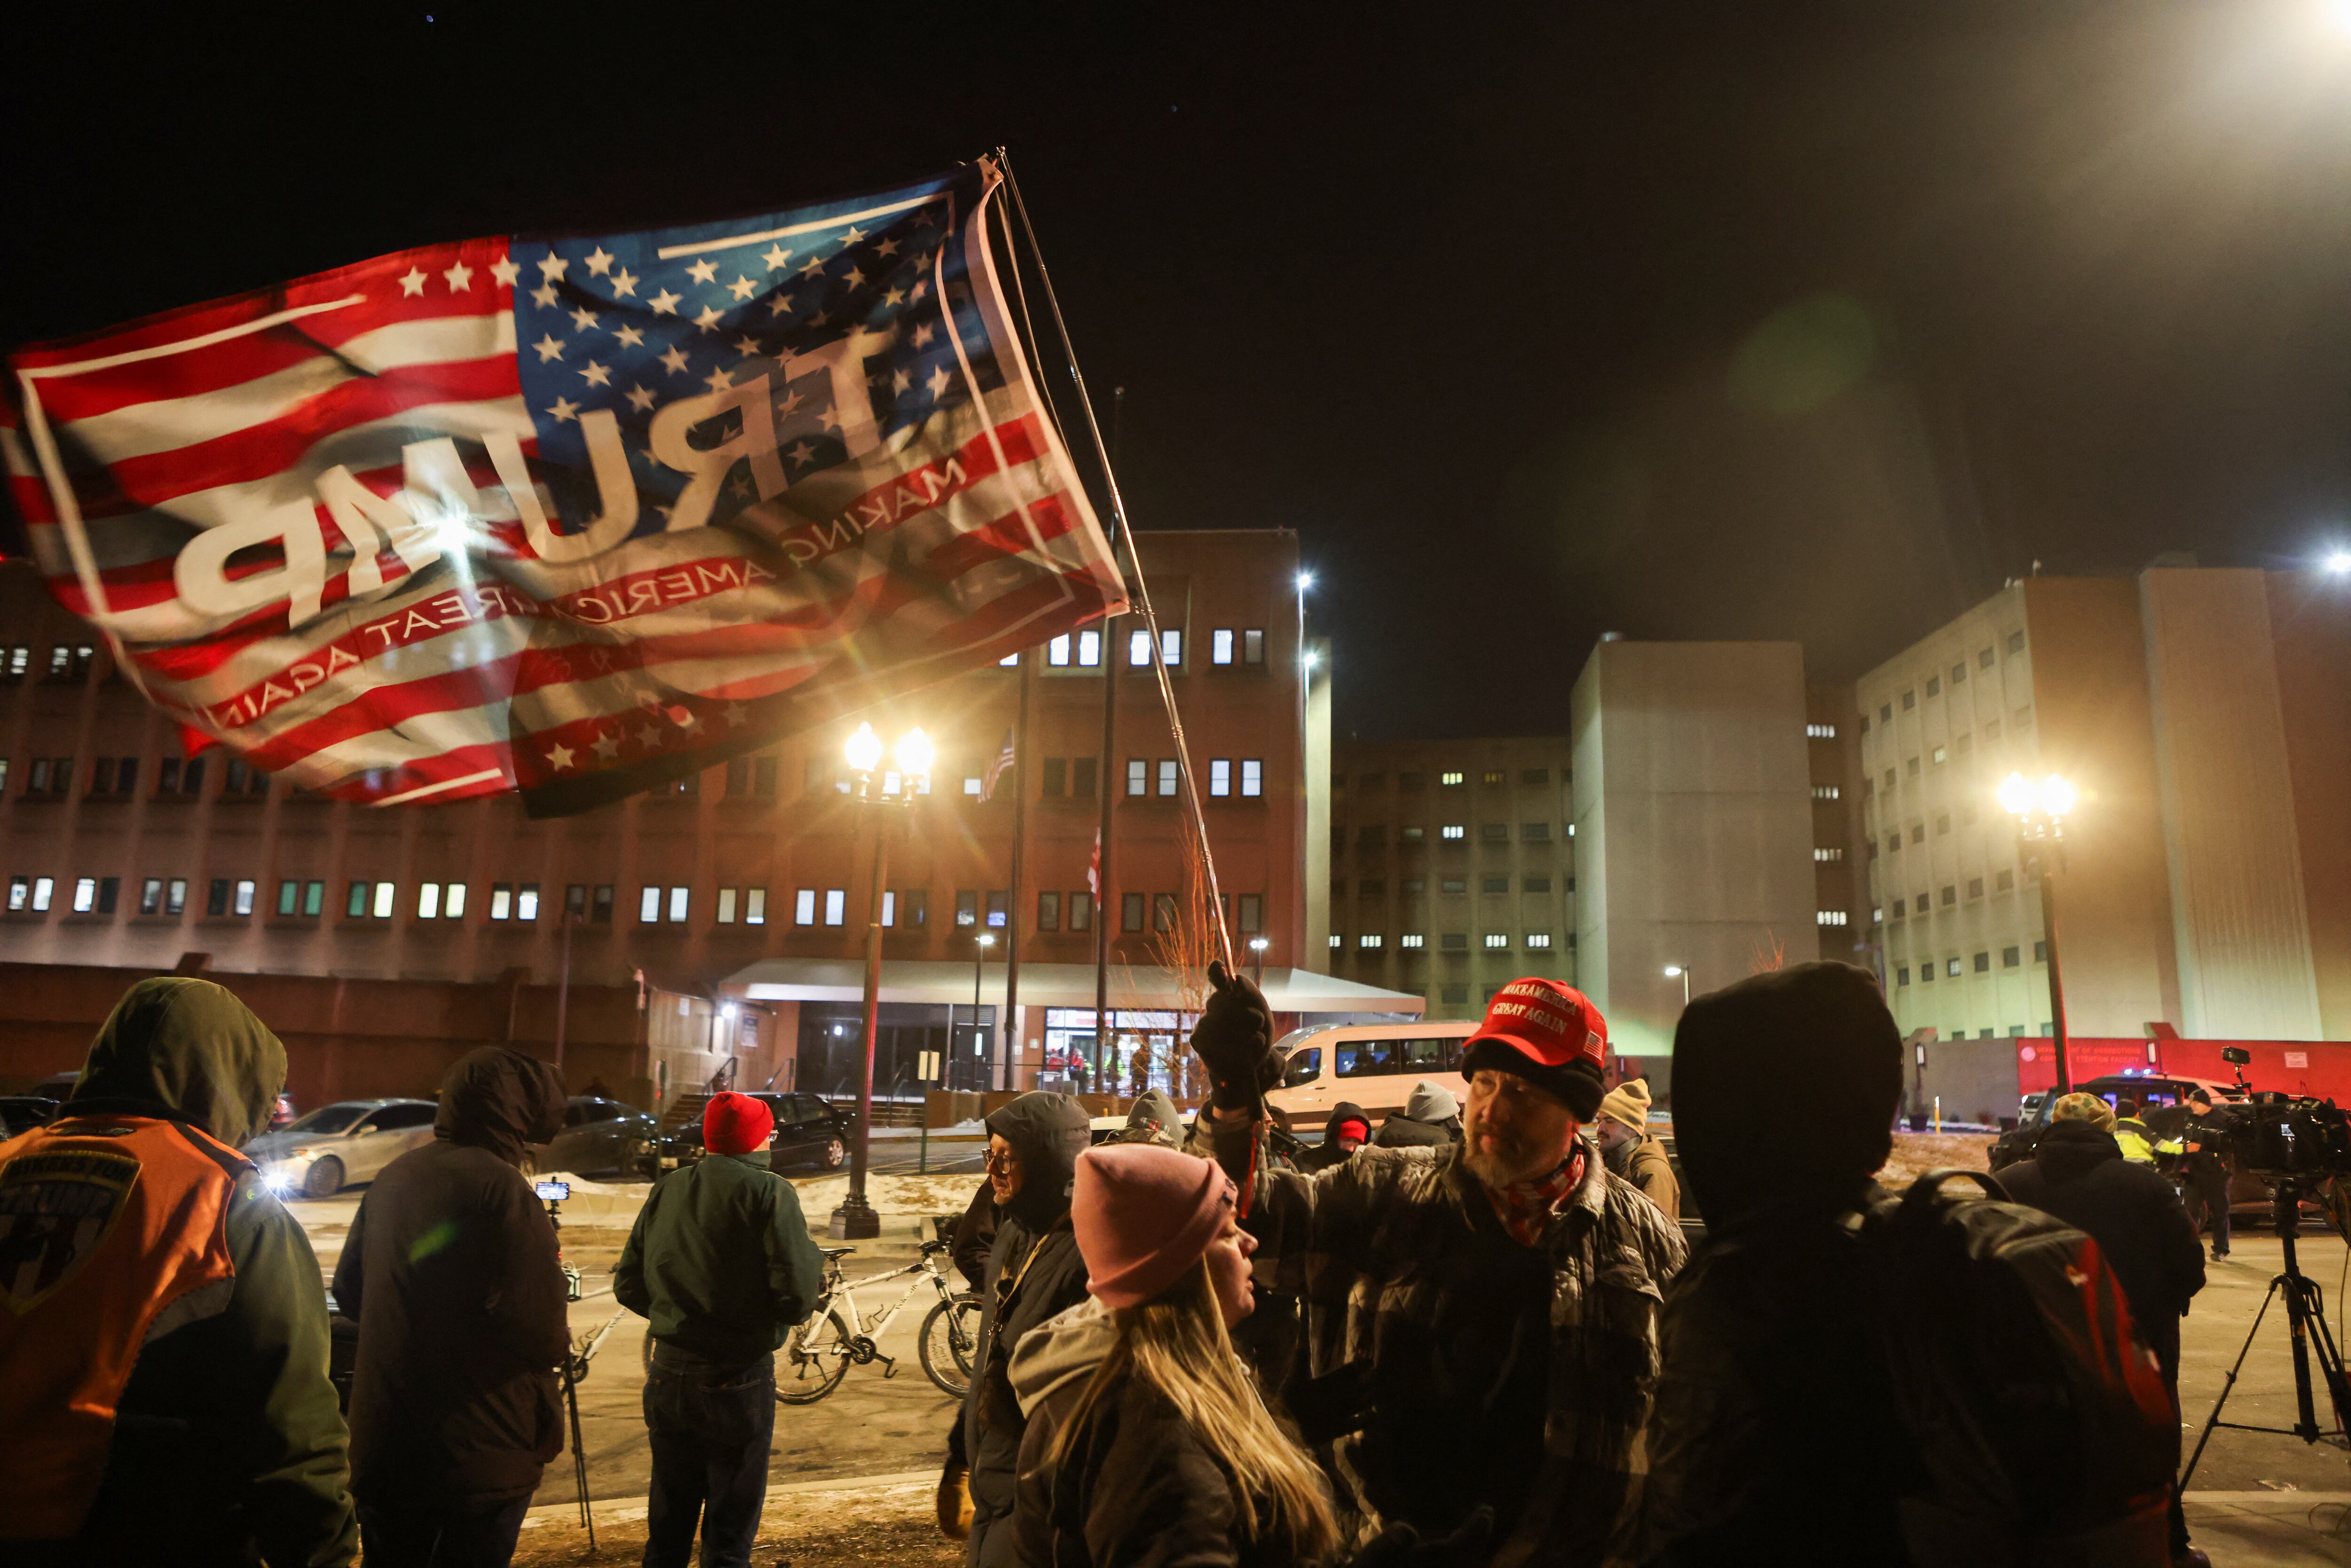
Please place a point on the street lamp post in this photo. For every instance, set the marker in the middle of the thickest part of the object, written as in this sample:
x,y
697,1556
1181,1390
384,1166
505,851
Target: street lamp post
x,y
855,1219
2040,811
979,946
1258,945
1680,972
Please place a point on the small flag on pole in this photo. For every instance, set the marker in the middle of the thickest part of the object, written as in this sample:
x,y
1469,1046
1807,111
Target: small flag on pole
x,y
1093,871
996,770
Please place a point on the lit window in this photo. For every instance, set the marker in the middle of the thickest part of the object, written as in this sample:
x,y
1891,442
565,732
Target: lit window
x,y
428,901
648,906
1538,941
1829,917
1221,776
726,906
1057,651
1138,776
43,889
1826,792
836,906
755,906
1220,645
1454,831
1138,649
85,894
1337,941
290,897
1252,777
1168,776
972,786
1493,777
679,899
1448,779
1826,855
1368,941
1951,968
526,901
502,901
1941,756
1089,648
1412,939
1171,644
1010,662
1497,939
452,902
385,893
1819,732
804,908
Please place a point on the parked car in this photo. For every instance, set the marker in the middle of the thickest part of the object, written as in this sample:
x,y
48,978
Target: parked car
x,y
1374,1065
281,1115
599,1135
22,1112
56,1086
349,1141
809,1132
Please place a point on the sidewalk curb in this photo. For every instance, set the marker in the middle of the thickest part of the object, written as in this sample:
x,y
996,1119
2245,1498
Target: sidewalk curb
x,y
627,1510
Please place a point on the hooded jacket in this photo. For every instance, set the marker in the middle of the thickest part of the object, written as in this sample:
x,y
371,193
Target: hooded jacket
x,y
1328,1152
1034,1272
720,1261
1153,1120
225,1439
1431,1117
2078,1173
1135,1485
451,1271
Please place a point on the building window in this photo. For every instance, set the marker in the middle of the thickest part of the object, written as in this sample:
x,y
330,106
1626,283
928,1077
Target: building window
x,y
19,659
2009,958
1168,778
1221,776
1894,842
1253,778
428,901
1975,887
1942,822
1534,833
1983,963
1497,941
1536,884
1163,912
1902,975
1828,917
973,785
526,901
1220,645
1456,991
995,908
726,912
1453,832
836,907
1493,775
1538,941
1959,673
1494,885
1057,651
1889,779
1448,779
1337,941
1368,943
85,894
2041,952
967,907
1081,776
1138,649
1055,782
648,904
1453,941
1253,645
1411,939
2023,716
45,888
1138,777
1049,912
1951,968
1081,911
1950,895
1940,755
1917,833
502,901
1926,973
1130,912
2004,882
2016,642
1934,686
1827,854
1983,660
1494,833
355,907
1911,767
1885,713
1410,835
1819,732
1909,701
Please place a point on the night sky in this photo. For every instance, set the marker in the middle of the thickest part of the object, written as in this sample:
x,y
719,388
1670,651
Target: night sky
x,y
1749,320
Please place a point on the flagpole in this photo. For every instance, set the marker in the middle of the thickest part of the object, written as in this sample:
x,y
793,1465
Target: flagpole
x,y
1142,588
1111,659
1012,913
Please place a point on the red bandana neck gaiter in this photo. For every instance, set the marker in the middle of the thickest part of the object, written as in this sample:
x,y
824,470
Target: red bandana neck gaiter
x,y
1526,1207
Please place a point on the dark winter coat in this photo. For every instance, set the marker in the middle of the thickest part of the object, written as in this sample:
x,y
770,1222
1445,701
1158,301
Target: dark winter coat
x,y
228,1436
1465,1368
2078,1173
1134,1486
451,1269
1430,1119
974,1237
720,1261
1322,1156
1034,1271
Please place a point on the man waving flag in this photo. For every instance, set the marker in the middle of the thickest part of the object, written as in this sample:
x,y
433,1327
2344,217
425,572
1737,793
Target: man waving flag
x,y
575,516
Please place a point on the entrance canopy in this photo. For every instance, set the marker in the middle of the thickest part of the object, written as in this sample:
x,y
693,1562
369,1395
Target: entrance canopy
x,y
940,982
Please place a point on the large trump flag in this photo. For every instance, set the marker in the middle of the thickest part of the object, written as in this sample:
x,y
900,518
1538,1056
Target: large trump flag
x,y
572,516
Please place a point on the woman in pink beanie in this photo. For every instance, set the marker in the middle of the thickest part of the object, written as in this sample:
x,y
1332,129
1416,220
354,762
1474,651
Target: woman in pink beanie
x,y
1147,1441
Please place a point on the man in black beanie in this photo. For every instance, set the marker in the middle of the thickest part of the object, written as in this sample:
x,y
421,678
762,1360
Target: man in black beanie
x,y
1776,1435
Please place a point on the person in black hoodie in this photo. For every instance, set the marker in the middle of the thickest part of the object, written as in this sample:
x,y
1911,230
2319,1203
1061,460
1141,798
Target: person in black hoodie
x,y
451,1271
2078,1173
1034,1271
1348,1129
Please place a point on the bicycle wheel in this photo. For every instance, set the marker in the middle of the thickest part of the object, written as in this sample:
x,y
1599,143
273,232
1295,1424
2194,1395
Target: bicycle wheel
x,y
950,1338
815,1359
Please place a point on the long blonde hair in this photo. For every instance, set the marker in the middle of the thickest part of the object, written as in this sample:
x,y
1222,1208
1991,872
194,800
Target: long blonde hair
x,y
1177,1344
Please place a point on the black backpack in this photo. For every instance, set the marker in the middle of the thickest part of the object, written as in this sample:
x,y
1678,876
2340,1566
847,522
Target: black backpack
x,y
2040,1417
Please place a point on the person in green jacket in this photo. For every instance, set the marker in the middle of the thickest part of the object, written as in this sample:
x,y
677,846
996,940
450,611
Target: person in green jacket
x,y
722,1264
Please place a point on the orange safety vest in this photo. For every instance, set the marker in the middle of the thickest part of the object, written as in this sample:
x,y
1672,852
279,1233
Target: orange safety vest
x,y
105,1221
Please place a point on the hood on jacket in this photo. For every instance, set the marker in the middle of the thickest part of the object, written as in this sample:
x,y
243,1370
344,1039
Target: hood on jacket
x,y
187,1049
1062,1350
1048,1132
500,1100
1153,1120
1345,1111
1431,1103
2071,1149
1814,1040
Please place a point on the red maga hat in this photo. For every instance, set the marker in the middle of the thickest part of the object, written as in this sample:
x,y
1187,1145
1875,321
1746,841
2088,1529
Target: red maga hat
x,y
1548,1033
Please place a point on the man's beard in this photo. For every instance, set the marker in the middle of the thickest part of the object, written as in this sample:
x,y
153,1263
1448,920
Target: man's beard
x,y
1510,1160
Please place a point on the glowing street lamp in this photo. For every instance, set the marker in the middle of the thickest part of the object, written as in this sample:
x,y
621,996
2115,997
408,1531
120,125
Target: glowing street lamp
x,y
1680,972
855,1219
2339,562
1258,945
2041,810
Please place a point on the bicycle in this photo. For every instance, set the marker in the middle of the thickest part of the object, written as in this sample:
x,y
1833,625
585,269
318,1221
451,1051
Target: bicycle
x,y
817,1354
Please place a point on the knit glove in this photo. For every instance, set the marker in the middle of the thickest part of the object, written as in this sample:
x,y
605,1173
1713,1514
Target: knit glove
x,y
954,1502
1235,1040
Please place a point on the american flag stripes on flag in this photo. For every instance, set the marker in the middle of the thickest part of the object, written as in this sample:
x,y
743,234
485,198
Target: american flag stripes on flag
x,y
996,768
575,515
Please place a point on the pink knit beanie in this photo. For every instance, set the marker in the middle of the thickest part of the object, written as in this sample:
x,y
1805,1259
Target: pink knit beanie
x,y
1143,1215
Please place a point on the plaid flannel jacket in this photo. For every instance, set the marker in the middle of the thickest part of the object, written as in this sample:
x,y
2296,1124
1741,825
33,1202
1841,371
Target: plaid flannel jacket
x,y
1367,1238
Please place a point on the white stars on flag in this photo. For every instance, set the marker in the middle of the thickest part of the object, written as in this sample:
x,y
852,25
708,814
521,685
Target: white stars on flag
x,y
582,319
940,380
461,278
560,757
781,304
675,360
597,375
608,748
641,400
775,256
709,319
665,303
544,295
412,282
742,287
564,409
505,271
749,346
551,268
549,348
703,272
624,284
601,262
718,380
815,267
629,337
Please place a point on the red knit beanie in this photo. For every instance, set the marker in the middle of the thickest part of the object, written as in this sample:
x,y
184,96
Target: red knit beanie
x,y
1143,1215
735,1124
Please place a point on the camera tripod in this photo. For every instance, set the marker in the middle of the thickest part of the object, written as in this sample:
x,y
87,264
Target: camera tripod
x,y
2305,1311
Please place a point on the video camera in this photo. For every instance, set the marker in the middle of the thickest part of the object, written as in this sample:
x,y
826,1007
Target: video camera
x,y
2284,1137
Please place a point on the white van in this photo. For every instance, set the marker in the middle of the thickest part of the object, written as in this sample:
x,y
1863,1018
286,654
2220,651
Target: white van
x,y
1372,1064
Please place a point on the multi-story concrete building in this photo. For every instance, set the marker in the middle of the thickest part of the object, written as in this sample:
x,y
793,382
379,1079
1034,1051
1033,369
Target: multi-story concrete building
x,y
1452,867
1710,825
2205,718
119,849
